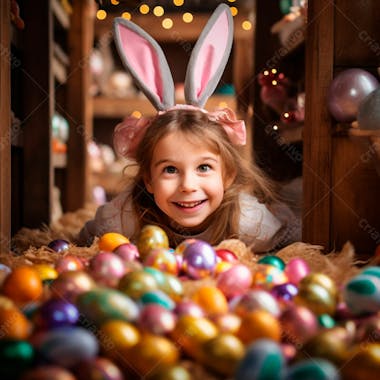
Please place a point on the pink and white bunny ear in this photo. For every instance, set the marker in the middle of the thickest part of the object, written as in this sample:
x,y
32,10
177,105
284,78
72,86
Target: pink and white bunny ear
x,y
209,57
146,62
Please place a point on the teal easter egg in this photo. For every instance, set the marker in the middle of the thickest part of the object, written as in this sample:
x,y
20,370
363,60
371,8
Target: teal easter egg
x,y
157,274
272,260
371,271
15,357
263,360
99,305
312,369
158,297
362,294
67,346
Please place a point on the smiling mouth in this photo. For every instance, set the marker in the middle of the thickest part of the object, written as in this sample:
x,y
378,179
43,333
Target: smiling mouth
x,y
188,204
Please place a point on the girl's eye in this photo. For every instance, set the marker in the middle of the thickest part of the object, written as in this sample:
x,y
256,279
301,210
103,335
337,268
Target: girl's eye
x,y
170,169
204,168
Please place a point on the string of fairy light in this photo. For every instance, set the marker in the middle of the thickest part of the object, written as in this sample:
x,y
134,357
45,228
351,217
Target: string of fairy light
x,y
167,22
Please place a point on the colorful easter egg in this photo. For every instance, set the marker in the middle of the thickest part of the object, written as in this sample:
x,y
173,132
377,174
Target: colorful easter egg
x,y
68,263
13,323
298,324
162,259
189,307
158,297
46,272
156,319
199,259
284,292
151,237
362,294
173,372
135,284
258,324
211,300
364,363
272,260
226,255
68,285
191,332
183,245
23,285
59,245
296,269
48,372
235,281
330,344
111,240
16,356
56,313
115,335
106,268
312,369
127,252
151,354
371,270
98,368
256,299
263,360
268,276
222,353
67,346
227,323
101,304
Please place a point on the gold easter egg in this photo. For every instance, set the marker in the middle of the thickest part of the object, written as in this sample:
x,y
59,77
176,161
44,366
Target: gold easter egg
x,y
151,237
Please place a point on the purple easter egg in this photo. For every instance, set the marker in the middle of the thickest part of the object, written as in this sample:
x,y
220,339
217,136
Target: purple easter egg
x,y
199,259
346,92
284,292
56,313
59,245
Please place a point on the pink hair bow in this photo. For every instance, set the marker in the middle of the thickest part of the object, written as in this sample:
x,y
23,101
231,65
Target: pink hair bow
x,y
235,128
128,134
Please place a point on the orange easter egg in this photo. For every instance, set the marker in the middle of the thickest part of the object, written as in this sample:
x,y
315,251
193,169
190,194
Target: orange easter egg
x,y
211,300
14,324
23,285
111,240
115,335
259,324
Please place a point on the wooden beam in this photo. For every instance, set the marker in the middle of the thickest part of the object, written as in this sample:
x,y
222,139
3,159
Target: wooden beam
x,y
79,103
5,130
317,134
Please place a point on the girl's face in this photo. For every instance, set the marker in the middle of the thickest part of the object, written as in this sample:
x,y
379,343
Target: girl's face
x,y
186,179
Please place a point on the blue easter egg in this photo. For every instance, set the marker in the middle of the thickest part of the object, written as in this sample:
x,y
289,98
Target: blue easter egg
x,y
312,369
59,245
67,346
263,360
372,271
362,294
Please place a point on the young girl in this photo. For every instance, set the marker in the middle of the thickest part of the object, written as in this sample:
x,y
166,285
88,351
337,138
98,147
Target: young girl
x,y
191,179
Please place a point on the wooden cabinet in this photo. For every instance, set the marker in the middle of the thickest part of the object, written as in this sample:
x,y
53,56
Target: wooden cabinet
x,y
52,56
341,186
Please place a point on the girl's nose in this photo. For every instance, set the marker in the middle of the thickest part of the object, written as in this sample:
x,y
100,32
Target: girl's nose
x,y
188,182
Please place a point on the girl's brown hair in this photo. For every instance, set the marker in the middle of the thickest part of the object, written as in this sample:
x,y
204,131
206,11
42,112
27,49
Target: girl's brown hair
x,y
240,174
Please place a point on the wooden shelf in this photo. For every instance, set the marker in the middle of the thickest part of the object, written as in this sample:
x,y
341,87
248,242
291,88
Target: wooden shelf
x,y
60,14
59,71
118,108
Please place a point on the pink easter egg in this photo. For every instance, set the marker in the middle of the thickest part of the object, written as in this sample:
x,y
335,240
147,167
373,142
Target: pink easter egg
x,y
296,270
156,319
127,252
68,263
235,280
107,268
189,307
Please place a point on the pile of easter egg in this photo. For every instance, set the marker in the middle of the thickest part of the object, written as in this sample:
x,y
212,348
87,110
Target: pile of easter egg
x,y
145,310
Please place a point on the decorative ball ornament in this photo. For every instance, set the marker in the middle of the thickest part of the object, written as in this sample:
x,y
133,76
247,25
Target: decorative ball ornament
x,y
347,90
369,111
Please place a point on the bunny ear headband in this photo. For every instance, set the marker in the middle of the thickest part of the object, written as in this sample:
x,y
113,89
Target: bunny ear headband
x,y
146,62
